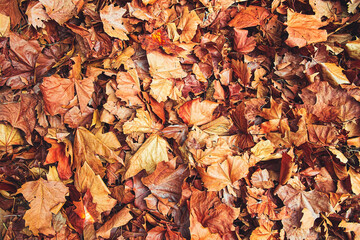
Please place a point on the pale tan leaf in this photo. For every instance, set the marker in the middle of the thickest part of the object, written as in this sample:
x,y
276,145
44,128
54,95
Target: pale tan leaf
x,y
160,89
355,181
112,19
189,22
61,10
353,48
4,25
164,66
36,14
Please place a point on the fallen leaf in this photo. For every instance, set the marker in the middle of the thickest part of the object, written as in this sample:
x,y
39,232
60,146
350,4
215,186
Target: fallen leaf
x,y
36,14
164,66
9,136
352,48
89,148
195,112
153,151
43,196
188,25
20,114
334,74
355,180
250,16
86,179
119,219
304,29
243,43
219,175
61,11
112,19
143,123
207,209
57,94
166,181
57,154
160,89
5,25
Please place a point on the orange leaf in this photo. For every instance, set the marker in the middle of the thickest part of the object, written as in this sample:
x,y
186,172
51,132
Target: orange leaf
x,y
195,112
304,29
43,196
243,43
250,16
57,154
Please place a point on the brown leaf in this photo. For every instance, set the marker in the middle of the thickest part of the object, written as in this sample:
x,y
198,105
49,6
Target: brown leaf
x,y
119,219
57,93
43,196
243,43
21,114
113,22
166,181
11,8
36,14
207,211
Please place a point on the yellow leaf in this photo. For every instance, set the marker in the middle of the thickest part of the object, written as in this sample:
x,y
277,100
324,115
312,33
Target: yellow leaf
x,y
9,136
263,150
153,151
87,179
353,49
143,123
334,74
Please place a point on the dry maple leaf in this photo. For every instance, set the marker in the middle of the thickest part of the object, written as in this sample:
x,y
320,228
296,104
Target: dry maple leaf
x,y
304,29
113,22
207,211
161,88
143,123
219,175
61,11
36,14
57,93
195,112
43,197
119,219
328,103
128,87
333,74
89,148
164,66
249,17
57,154
153,151
188,25
243,43
264,231
166,181
86,179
